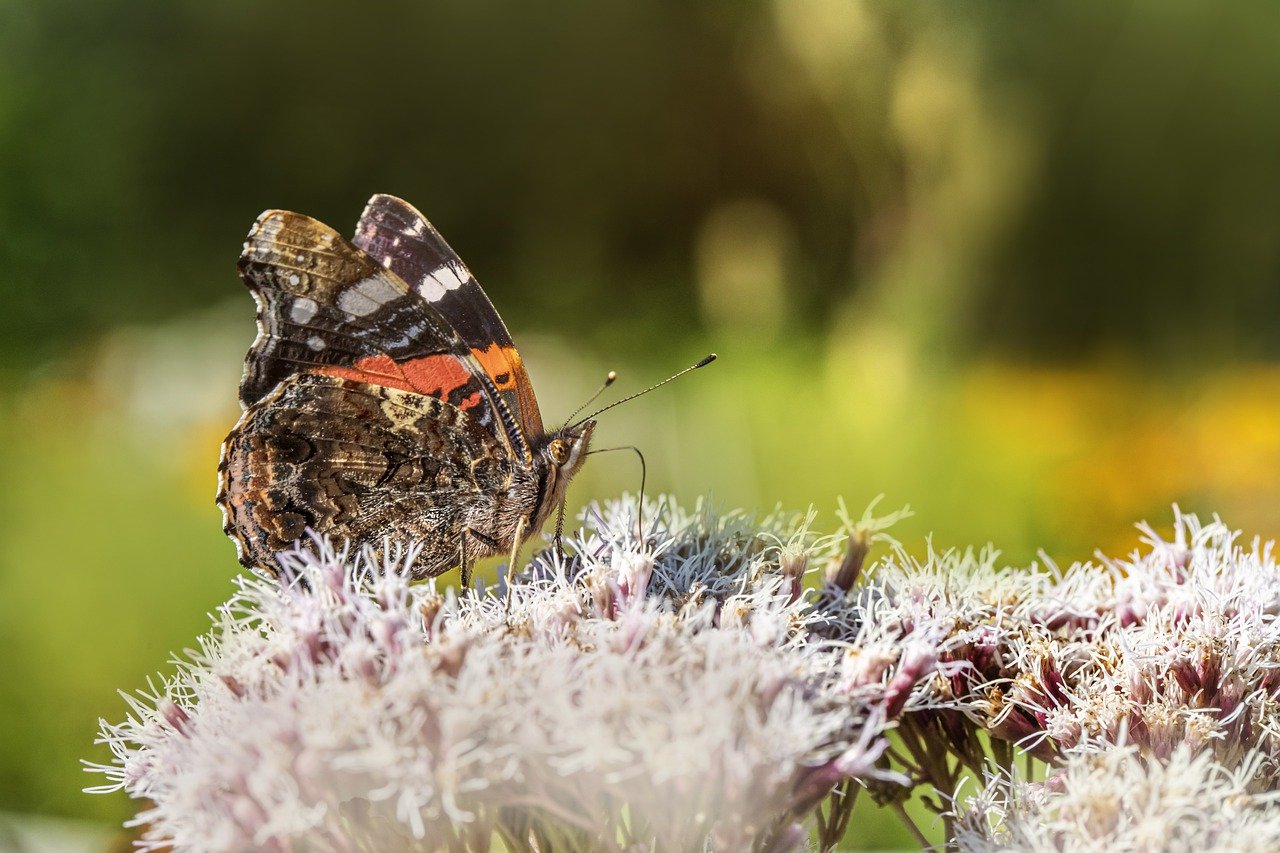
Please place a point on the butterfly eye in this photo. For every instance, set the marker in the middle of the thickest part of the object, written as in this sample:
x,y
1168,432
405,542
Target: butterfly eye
x,y
559,451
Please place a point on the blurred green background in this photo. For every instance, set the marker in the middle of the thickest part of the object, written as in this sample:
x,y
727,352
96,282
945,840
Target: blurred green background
x,y
1017,265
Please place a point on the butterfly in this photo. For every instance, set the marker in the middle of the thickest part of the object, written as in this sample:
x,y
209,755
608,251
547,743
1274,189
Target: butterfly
x,y
383,397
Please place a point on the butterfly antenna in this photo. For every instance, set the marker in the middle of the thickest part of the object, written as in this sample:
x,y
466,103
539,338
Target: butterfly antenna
x,y
608,380
692,367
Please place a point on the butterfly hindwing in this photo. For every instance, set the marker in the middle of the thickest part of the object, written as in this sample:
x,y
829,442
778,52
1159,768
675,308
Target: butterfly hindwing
x,y
357,461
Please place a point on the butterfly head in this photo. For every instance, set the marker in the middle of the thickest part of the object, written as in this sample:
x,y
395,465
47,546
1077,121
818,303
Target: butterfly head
x,y
561,457
567,450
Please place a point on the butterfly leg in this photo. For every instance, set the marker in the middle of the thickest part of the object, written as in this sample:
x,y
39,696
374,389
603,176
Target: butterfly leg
x,y
559,540
516,541
464,565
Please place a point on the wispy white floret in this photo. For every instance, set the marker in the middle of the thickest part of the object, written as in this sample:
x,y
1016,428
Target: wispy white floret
x,y
1113,798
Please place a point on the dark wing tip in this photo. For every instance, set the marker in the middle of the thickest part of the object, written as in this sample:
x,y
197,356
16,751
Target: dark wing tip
x,y
380,205
386,198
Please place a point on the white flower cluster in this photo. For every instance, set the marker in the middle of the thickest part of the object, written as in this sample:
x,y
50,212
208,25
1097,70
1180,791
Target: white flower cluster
x,y
1119,800
681,688
1177,646
1168,659
664,690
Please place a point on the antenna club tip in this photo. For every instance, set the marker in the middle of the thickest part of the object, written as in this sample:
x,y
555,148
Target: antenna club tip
x,y
611,377
706,361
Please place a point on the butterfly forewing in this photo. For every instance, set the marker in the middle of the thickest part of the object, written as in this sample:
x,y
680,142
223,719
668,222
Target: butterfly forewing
x,y
394,233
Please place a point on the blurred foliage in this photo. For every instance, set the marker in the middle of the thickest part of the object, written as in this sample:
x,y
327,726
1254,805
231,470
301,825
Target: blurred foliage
x,y
1054,178
1016,265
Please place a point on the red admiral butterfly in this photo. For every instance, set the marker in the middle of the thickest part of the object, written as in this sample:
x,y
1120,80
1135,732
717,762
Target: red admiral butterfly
x,y
383,397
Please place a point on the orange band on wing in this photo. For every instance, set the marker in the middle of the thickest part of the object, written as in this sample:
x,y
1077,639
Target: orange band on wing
x,y
439,376
433,375
446,378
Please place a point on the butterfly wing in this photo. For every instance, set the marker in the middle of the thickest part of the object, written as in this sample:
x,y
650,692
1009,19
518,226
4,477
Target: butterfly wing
x,y
395,234
326,306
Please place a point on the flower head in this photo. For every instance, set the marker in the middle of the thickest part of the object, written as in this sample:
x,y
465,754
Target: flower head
x,y
662,690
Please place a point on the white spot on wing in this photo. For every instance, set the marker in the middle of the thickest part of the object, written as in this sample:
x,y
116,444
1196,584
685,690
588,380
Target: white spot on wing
x,y
368,295
430,289
315,342
302,310
442,280
295,279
